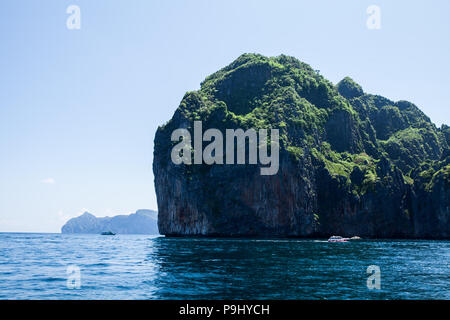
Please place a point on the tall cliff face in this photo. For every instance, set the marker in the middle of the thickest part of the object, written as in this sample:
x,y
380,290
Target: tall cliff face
x,y
350,162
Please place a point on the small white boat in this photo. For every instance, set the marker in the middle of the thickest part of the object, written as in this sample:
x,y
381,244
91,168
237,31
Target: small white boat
x,y
337,239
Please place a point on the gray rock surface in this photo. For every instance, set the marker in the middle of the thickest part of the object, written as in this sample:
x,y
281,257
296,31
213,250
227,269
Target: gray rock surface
x,y
142,222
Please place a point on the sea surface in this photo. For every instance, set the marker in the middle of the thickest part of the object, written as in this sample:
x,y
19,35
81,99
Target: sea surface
x,y
45,266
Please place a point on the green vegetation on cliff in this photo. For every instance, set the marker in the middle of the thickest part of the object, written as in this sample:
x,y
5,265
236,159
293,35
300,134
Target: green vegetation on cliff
x,y
335,124
368,145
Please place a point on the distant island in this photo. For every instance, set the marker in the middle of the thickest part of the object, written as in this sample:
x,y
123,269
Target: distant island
x,y
142,222
350,162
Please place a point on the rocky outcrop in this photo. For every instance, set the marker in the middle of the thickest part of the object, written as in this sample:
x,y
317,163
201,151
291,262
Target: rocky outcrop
x,y
141,222
350,162
431,205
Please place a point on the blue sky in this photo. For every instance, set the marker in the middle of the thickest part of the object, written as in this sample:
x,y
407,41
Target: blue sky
x,y
79,108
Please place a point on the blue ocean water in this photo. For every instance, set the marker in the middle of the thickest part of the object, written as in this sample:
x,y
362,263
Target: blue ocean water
x,y
34,266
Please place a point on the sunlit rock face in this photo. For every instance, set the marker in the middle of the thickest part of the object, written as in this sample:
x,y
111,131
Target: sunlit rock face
x,y
350,163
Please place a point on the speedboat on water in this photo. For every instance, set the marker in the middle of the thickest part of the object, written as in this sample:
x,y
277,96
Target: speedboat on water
x,y
337,239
